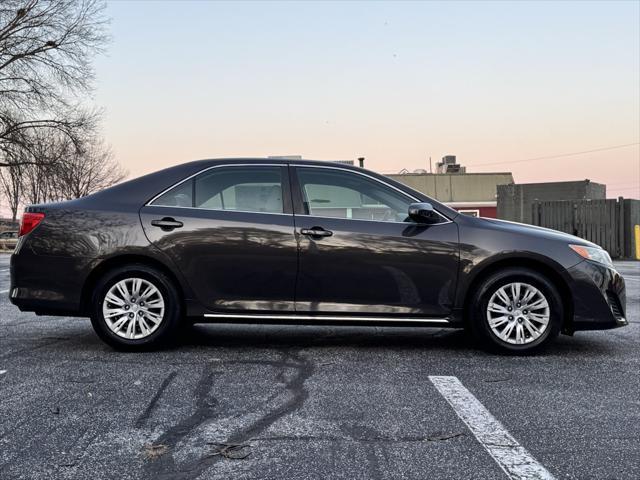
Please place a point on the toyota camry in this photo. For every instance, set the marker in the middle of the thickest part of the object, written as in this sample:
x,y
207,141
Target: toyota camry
x,y
305,242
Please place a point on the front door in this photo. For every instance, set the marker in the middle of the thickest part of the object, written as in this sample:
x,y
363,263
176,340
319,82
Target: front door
x,y
360,254
230,231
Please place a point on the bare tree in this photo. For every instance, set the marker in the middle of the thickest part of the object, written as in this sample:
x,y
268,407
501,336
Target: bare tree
x,y
90,169
11,184
47,149
46,47
48,145
17,132
64,170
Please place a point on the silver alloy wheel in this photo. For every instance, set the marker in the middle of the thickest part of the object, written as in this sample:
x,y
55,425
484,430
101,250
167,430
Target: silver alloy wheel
x,y
133,308
518,313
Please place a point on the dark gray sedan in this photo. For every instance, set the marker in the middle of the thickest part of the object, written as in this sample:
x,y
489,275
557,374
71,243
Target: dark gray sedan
x,y
278,241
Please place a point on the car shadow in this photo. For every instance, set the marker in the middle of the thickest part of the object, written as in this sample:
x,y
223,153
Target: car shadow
x,y
79,336
393,338
303,336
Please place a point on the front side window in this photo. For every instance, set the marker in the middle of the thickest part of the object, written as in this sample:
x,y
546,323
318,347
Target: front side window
x,y
343,194
242,188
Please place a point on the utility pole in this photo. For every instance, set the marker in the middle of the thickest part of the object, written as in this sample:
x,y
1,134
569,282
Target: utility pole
x,y
430,169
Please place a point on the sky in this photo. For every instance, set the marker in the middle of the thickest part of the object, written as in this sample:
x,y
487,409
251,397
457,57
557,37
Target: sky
x,y
494,83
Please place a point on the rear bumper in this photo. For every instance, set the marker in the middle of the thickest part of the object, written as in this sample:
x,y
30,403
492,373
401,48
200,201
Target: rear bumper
x,y
599,298
46,284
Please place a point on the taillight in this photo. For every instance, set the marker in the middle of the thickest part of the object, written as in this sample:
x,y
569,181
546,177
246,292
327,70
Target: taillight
x,y
29,222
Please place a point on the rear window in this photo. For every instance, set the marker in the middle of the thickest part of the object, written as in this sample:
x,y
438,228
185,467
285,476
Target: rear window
x,y
242,188
246,189
179,196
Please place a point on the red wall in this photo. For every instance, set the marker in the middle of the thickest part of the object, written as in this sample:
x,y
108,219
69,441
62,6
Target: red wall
x,y
489,212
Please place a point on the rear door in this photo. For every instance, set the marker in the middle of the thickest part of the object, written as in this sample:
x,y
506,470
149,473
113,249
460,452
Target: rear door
x,y
230,231
360,254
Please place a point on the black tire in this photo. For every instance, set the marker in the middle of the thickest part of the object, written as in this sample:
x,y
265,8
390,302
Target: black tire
x,y
479,323
168,326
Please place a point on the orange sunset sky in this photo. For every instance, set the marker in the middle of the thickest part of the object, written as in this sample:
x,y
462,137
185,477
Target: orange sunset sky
x,y
491,82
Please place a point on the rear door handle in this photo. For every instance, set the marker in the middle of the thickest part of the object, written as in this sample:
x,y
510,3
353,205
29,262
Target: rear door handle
x,y
316,232
167,224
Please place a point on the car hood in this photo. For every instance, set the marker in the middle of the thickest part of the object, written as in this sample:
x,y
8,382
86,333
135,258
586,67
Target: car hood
x,y
533,230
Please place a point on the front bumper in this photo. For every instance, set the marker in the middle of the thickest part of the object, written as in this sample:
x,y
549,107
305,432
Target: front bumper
x,y
599,298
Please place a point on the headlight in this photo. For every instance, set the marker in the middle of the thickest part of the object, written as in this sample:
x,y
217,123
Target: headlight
x,y
592,253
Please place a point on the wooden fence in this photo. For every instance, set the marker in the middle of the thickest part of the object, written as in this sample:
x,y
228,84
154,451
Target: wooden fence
x,y
599,221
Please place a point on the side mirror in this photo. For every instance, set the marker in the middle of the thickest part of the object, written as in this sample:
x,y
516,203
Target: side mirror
x,y
423,213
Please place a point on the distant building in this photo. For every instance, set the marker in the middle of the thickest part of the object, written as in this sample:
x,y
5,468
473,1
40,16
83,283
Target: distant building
x,y
286,157
299,157
449,165
351,162
515,201
469,193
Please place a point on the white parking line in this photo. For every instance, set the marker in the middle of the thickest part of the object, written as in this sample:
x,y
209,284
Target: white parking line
x,y
517,463
4,291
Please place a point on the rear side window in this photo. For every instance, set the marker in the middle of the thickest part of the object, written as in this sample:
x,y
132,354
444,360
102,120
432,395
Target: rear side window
x,y
179,196
243,188
246,189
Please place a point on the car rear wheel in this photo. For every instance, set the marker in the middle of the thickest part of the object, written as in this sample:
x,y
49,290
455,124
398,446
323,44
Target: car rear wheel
x,y
516,310
135,307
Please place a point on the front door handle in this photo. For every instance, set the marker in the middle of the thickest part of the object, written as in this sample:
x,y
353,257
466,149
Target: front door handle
x,y
316,232
167,224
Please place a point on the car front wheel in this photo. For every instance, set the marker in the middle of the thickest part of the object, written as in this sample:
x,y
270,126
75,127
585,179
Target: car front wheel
x,y
135,307
516,310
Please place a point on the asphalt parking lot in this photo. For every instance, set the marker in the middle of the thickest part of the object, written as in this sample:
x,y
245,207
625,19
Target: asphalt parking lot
x,y
314,403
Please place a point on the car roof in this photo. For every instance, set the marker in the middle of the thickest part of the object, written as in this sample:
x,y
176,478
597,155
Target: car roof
x,y
278,161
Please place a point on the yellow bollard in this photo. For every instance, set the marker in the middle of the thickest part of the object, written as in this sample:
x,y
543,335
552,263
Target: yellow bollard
x,y
637,232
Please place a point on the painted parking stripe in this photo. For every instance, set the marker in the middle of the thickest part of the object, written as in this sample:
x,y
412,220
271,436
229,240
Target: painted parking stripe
x,y
517,463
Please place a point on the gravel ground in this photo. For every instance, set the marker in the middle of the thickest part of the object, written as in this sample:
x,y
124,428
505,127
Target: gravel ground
x,y
309,402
